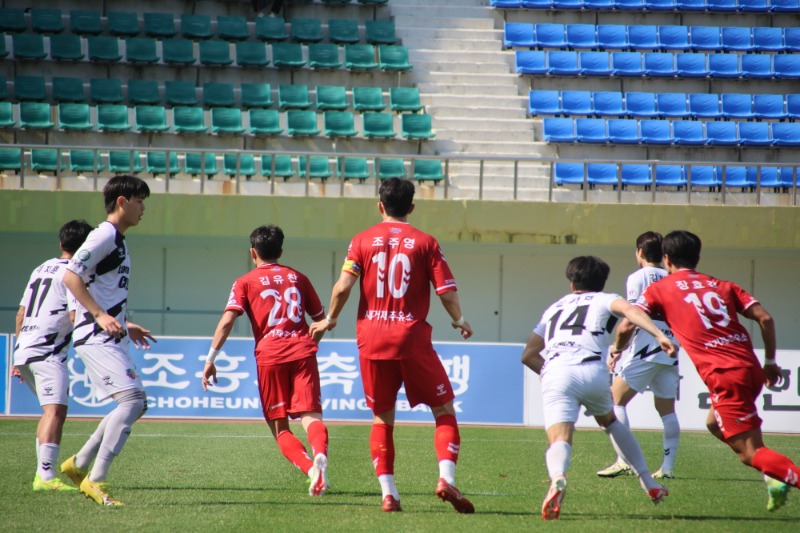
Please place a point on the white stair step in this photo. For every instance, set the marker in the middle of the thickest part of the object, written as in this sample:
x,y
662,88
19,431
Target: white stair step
x,y
466,67
446,11
477,79
489,148
451,111
467,89
447,56
450,44
487,124
427,32
434,21
460,100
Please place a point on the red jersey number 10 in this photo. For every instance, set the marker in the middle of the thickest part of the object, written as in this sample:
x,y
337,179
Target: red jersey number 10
x,y
289,306
398,285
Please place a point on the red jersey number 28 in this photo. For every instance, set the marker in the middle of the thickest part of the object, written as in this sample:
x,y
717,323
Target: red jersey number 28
x,y
287,306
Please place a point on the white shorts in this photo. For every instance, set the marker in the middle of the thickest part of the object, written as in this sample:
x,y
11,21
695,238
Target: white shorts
x,y
642,375
48,379
566,387
110,369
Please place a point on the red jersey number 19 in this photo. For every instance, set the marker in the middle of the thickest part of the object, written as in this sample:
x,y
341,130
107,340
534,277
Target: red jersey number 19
x,y
289,306
714,304
401,261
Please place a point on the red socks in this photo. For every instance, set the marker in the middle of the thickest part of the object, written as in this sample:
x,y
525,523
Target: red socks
x,y
777,466
318,437
446,439
293,449
381,446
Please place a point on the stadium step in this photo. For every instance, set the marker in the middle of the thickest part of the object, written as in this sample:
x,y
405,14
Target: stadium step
x,y
434,19
460,67
470,89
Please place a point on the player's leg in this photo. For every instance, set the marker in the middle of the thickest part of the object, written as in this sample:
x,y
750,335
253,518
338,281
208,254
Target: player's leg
x,y
318,440
750,448
557,458
665,389
622,394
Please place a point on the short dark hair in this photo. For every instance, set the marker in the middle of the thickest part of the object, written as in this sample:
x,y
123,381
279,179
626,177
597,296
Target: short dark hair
x,y
267,241
397,196
126,186
649,243
588,273
683,248
72,234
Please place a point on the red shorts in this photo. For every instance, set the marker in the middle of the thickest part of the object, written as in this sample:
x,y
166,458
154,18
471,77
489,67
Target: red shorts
x,y
733,394
288,389
425,380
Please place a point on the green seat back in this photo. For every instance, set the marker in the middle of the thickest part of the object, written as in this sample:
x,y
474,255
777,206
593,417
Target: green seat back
x,y
232,28
177,51
271,29
151,118
85,22
215,53
143,92
265,122
256,95
251,54
226,120
113,117
74,116
66,47
193,163
378,125
46,20
380,32
293,97
196,27
105,90
331,98
123,23
323,56
359,57
301,123
306,30
189,119
343,31
394,58
159,25
368,99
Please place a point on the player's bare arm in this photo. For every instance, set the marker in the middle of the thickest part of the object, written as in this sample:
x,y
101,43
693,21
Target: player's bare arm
x,y
76,286
339,296
140,336
622,337
452,305
767,325
224,328
639,318
531,355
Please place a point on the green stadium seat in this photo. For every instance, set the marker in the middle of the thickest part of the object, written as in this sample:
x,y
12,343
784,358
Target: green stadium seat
x,y
247,165
417,126
28,46
193,164
105,90
74,116
141,50
151,118
368,99
10,159
178,52
196,27
359,57
120,162
123,23
68,89
30,88
112,117
323,56
7,115
265,122
353,168
331,98
85,22
46,20
283,166
226,120
301,123
104,49
66,47
256,95
159,25
287,55
215,53
318,167
380,32
339,124
389,167
46,160
394,58
83,161
404,99
218,95
271,29
428,170
12,20
232,28
293,97
157,163
343,31
378,126
35,116
189,119
251,54
180,93
143,92
305,30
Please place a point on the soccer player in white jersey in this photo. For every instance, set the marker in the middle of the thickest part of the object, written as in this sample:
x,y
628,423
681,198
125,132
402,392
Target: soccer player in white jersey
x,y
566,349
43,333
642,365
98,276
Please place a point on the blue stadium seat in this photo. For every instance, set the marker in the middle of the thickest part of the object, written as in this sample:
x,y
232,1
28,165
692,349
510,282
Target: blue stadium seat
x,y
737,106
599,5
791,39
784,6
518,34
787,177
560,63
577,103
703,176
544,103
623,131
608,104
691,5
659,64
769,106
768,39
550,35
568,4
793,106
656,132
737,39
705,38
754,134
641,105
613,36
688,132
670,176
722,133
673,38
637,175
734,176
602,174
629,5
704,105
558,130
768,177
672,105
626,64
595,63
660,5
532,62
753,6
582,36
537,4
591,130
643,37
787,66
757,66
724,66
786,133
721,5
568,173
505,3
691,65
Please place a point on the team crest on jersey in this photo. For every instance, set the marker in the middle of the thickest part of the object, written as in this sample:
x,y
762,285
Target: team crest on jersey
x,y
395,230
84,255
131,373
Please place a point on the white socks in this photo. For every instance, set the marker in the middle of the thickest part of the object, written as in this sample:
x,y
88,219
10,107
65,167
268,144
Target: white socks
x,y
558,457
621,413
447,471
672,431
387,486
47,457
625,443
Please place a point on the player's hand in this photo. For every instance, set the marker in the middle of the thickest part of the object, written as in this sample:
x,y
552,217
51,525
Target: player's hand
x,y
15,374
139,336
612,360
773,375
317,330
110,325
465,329
209,375
668,346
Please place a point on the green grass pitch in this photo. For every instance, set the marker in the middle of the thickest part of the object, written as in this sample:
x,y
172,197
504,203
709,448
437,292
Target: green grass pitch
x,y
227,476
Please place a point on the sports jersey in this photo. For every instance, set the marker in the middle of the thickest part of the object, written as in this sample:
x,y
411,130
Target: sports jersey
x,y
701,311
46,328
643,345
104,265
397,264
276,299
577,328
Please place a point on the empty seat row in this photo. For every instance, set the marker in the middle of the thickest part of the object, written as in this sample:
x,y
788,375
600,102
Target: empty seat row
x,y
214,53
731,106
194,26
646,175
223,120
647,37
679,132
658,64
725,6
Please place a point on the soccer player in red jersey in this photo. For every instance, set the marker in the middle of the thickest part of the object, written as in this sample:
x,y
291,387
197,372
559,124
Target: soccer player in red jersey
x,y
276,299
702,312
397,264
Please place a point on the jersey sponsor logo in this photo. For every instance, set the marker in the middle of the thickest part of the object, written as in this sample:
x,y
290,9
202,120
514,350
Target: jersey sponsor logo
x,y
84,255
